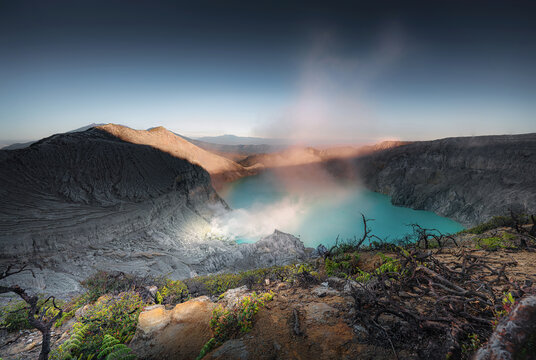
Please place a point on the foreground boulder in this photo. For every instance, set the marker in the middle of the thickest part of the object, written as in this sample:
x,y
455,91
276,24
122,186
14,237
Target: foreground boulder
x,y
178,333
515,335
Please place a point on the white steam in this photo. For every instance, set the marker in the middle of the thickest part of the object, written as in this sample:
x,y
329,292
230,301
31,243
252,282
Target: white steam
x,y
260,220
305,190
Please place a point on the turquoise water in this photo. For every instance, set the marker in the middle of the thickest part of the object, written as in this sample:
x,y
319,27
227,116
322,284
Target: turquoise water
x,y
317,212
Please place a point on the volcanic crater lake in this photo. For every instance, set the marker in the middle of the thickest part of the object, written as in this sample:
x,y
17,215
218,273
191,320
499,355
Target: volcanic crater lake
x,y
317,211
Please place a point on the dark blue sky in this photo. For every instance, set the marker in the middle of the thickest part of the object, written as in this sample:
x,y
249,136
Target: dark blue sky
x,y
347,71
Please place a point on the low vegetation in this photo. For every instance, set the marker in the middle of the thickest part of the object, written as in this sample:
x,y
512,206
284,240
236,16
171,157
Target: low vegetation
x,y
110,316
227,324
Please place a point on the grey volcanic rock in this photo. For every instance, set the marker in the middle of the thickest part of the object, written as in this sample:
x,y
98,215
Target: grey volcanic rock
x,y
278,248
469,179
75,203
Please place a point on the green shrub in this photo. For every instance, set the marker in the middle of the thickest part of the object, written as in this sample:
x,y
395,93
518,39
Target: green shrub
x,y
215,284
15,316
174,292
471,345
227,324
69,309
208,347
342,264
102,283
491,243
508,236
115,316
73,345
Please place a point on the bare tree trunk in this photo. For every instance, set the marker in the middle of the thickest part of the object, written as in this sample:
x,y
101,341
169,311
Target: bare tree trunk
x,y
36,316
45,345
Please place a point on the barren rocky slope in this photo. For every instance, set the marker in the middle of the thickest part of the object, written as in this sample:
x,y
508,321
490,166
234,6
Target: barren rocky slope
x,y
74,203
220,168
469,179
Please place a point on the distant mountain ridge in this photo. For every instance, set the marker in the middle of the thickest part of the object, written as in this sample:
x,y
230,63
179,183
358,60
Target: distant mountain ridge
x,y
229,139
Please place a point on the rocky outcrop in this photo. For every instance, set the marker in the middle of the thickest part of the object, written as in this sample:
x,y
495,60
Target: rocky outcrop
x,y
297,324
514,336
278,248
178,333
469,179
75,203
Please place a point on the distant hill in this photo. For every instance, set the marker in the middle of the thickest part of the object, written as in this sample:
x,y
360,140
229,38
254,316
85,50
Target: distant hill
x,y
240,140
235,152
220,168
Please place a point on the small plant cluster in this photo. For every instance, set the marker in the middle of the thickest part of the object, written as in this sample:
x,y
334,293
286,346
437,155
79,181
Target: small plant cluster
x,y
111,315
172,292
508,303
72,346
387,266
471,345
227,324
495,243
342,264
346,265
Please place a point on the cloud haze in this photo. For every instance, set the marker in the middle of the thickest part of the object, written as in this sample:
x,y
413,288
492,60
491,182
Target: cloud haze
x,y
330,104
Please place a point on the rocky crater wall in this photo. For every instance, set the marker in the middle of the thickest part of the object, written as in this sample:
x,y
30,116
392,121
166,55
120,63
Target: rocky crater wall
x,y
469,179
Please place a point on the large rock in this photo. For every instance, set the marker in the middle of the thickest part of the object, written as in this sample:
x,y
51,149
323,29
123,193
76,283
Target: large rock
x,y
179,333
276,249
514,336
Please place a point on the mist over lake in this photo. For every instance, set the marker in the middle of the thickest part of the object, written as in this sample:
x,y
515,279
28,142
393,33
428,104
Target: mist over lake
x,y
317,208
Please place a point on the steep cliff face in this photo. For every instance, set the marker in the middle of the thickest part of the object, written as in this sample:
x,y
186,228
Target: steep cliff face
x,y
468,179
75,203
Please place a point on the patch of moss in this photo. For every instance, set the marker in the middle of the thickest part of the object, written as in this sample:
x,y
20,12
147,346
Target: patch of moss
x,y
491,243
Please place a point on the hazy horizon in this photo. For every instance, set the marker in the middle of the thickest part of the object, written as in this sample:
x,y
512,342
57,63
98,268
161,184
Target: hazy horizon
x,y
281,141
347,72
